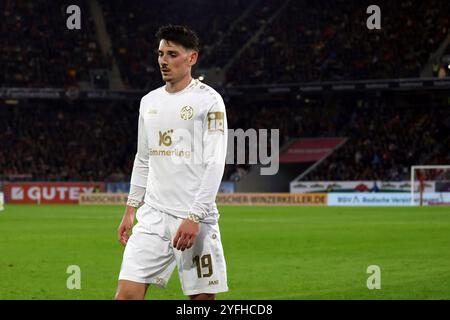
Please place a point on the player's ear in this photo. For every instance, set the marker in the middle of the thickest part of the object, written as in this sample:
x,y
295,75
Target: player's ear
x,y
193,55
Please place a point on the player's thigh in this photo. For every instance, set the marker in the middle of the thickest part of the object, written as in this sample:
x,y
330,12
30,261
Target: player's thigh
x,y
202,268
148,257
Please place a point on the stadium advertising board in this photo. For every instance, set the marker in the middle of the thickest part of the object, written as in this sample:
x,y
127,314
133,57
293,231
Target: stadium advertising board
x,y
103,198
2,201
310,149
29,193
356,186
384,199
276,199
253,199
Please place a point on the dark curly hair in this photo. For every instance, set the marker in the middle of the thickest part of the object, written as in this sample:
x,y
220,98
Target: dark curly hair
x,y
180,35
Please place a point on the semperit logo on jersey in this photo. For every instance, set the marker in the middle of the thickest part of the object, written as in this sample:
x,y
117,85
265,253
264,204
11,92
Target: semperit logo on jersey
x,y
165,139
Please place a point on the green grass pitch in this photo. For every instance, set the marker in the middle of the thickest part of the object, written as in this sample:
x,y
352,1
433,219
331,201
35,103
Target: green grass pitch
x,y
271,252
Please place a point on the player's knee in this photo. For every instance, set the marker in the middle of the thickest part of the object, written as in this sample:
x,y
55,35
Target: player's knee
x,y
128,295
129,290
203,296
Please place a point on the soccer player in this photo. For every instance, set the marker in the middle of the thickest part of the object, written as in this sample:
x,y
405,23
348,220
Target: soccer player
x,y
182,141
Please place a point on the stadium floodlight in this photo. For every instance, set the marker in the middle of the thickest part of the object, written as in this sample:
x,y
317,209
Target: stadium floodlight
x,y
430,185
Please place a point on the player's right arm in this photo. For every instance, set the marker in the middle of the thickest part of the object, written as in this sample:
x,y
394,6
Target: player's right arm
x,y
126,225
138,183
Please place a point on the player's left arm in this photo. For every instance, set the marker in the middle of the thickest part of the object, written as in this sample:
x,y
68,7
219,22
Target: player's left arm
x,y
215,135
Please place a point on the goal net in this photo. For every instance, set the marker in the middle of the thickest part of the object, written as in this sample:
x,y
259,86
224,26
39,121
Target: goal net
x,y
430,185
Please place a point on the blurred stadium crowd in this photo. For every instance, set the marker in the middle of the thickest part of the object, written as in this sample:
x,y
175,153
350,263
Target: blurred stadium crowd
x,y
307,41
253,42
97,141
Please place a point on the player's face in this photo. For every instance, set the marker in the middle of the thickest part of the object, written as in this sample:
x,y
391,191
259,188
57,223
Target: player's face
x,y
175,61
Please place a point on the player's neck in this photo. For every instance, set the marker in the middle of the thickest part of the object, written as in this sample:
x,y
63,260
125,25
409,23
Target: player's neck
x,y
173,87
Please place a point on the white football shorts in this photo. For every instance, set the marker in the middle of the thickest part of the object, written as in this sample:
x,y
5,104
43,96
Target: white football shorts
x,y
149,256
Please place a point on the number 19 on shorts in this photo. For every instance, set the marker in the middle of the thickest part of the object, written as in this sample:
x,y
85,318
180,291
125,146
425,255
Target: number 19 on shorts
x,y
203,262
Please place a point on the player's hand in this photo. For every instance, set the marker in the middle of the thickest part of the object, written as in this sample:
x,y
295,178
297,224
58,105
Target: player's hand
x,y
186,235
126,225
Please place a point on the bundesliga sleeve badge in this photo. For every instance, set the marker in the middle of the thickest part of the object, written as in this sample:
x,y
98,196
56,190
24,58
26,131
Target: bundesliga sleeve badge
x,y
215,122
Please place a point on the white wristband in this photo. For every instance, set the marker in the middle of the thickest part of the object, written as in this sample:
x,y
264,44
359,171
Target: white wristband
x,y
133,203
193,217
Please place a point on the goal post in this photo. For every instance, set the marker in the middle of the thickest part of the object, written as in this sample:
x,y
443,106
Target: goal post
x,y
430,184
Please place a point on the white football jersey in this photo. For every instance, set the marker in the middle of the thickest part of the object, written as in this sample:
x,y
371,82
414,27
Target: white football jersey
x,y
182,144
